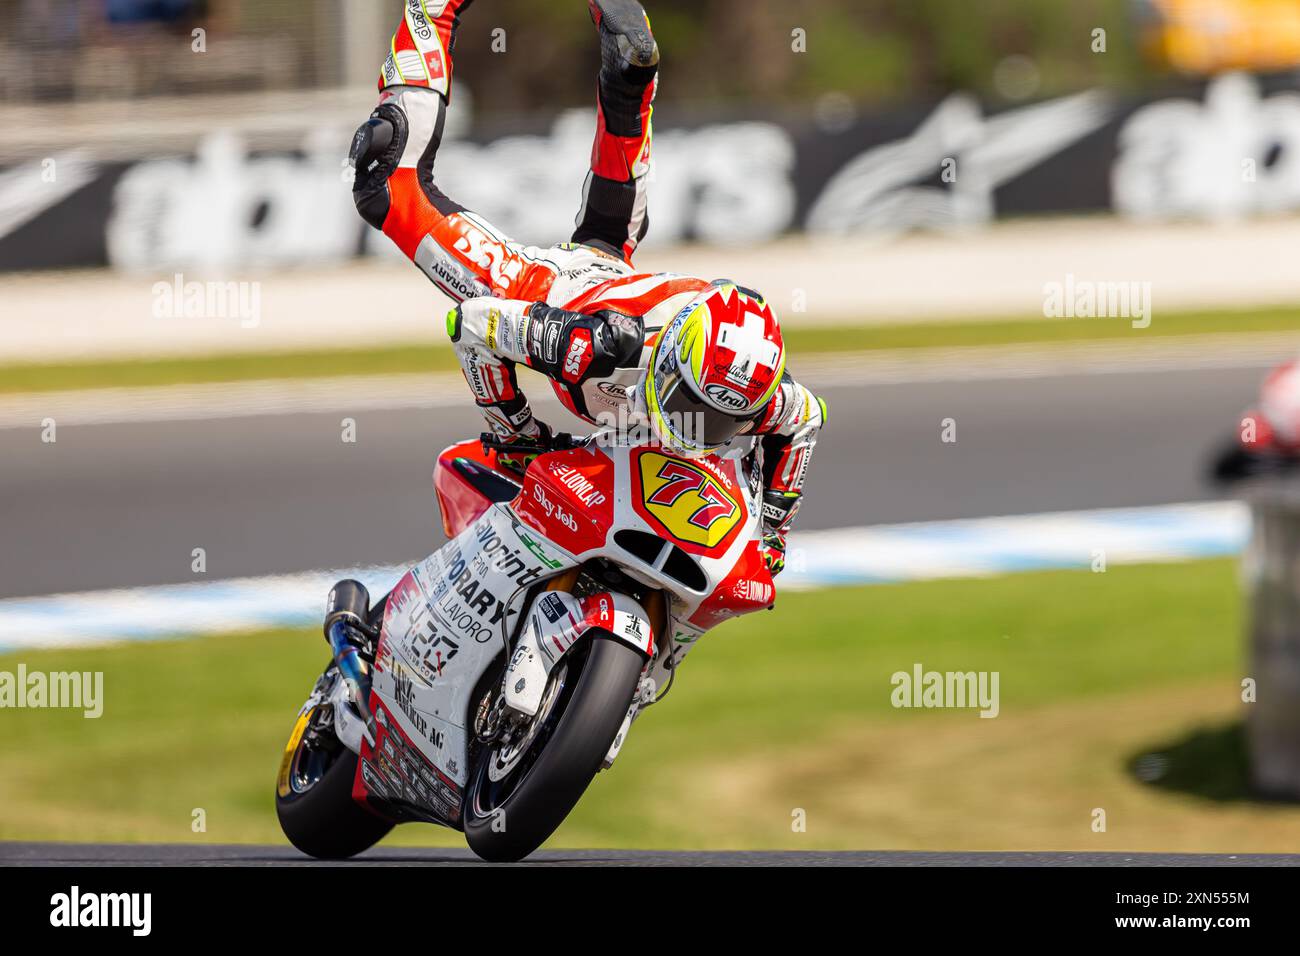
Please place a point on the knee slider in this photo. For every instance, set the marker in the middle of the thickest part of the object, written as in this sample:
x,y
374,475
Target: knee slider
x,y
376,149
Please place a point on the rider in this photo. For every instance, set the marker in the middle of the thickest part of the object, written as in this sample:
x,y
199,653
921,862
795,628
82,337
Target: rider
x,y
702,363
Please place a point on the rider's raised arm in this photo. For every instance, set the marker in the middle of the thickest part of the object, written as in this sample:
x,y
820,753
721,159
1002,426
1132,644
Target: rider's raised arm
x,y
563,345
492,335
789,432
489,338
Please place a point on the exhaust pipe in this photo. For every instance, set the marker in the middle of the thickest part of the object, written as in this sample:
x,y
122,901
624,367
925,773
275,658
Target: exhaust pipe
x,y
347,611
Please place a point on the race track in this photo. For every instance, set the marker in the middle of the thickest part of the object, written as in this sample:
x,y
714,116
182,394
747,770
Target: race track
x,y
146,854
119,505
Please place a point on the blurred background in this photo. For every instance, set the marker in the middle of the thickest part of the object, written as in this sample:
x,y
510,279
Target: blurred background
x,y
1037,256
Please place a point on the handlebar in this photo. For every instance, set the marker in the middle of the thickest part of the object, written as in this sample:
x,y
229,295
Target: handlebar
x,y
560,441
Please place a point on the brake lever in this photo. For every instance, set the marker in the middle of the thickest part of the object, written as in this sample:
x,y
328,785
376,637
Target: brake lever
x,y
491,442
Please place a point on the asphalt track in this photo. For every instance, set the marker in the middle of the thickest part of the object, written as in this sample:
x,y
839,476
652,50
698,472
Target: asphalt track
x,y
118,505
147,854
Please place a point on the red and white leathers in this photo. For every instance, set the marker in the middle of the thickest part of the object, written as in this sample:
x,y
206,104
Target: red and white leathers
x,y
579,312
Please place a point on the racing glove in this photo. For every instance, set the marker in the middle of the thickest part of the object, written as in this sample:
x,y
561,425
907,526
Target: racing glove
x,y
779,509
573,346
518,463
774,552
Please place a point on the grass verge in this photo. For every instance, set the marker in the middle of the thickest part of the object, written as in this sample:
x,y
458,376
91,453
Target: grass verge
x,y
784,712
18,378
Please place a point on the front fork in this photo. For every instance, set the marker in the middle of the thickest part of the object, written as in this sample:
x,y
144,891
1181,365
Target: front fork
x,y
555,621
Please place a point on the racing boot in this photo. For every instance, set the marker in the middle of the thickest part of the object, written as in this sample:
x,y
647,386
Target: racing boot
x,y
626,42
613,217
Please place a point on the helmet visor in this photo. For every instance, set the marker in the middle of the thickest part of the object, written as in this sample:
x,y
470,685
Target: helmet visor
x,y
692,422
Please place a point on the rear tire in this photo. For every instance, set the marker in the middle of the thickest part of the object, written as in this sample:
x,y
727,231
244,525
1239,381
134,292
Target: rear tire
x,y
324,821
552,780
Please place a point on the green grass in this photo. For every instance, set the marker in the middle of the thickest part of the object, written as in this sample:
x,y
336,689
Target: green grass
x,y
424,357
782,710
233,367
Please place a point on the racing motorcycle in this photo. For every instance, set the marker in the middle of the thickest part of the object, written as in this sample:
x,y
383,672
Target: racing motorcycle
x,y
502,673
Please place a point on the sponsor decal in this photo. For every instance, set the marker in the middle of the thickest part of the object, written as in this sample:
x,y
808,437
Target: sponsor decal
x,y
604,607
488,254
495,556
560,514
493,321
430,648
448,273
725,397
758,592
467,621
419,24
404,694
579,355
553,607
475,376
395,771
536,550
574,515
551,341
522,325
578,483
687,500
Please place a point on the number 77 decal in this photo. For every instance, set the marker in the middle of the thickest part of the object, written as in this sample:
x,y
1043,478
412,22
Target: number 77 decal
x,y
680,479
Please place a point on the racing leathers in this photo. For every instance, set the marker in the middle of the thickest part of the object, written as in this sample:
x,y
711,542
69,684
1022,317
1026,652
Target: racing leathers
x,y
578,312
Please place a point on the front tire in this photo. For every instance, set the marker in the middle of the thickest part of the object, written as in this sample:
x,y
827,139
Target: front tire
x,y
317,813
506,820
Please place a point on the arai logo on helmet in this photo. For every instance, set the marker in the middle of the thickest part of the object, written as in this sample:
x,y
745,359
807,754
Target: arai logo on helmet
x,y
726,397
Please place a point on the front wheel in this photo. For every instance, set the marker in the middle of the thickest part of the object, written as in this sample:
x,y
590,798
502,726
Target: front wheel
x,y
520,792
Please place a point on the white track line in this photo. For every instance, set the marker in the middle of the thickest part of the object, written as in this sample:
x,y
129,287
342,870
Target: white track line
x,y
887,553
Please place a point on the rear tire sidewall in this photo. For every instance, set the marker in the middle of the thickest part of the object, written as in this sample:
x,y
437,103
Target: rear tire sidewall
x,y
324,821
568,762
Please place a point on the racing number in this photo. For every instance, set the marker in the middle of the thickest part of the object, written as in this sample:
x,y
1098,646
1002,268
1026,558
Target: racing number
x,y
680,479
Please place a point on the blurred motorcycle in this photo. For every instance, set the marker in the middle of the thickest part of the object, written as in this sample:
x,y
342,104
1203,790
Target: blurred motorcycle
x,y
1268,441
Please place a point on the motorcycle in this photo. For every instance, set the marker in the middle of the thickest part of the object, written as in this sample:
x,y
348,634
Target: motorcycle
x,y
502,673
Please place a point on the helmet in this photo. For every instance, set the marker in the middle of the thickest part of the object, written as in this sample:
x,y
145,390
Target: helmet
x,y
713,370
1277,416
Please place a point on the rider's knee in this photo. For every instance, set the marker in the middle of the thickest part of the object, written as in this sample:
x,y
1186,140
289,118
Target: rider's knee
x,y
405,129
376,150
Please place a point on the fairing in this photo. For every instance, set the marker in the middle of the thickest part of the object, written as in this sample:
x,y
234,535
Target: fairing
x,y
480,602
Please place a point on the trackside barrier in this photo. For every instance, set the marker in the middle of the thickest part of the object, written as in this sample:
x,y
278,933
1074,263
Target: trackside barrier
x,y
1271,572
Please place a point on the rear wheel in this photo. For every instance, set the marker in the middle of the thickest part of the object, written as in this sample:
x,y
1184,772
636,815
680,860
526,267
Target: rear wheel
x,y
313,796
521,789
